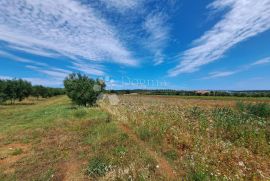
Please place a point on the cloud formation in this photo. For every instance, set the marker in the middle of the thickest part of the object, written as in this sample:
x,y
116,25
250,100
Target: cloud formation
x,y
244,19
65,26
123,5
158,35
19,59
219,74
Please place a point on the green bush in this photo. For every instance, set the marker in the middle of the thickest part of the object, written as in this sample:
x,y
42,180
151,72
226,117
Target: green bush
x,y
82,90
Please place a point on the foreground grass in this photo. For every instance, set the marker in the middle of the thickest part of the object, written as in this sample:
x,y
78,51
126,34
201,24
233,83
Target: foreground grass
x,y
142,138
52,140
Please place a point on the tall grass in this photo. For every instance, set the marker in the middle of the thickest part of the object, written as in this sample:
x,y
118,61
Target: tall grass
x,y
242,129
258,109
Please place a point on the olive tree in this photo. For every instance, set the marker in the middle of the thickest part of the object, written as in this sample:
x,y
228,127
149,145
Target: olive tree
x,y
83,90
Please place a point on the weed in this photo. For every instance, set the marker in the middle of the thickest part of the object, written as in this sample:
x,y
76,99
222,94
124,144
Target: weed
x,y
123,137
151,164
171,155
196,112
198,176
80,113
17,151
144,133
98,166
257,109
120,150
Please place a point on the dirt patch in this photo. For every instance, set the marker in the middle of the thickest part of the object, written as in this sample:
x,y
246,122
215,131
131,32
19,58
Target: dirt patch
x,y
71,170
12,153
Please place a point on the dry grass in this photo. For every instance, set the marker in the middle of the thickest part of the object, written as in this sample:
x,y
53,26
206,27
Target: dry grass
x,y
202,139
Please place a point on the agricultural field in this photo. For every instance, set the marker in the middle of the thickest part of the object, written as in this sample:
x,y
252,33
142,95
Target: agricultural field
x,y
140,138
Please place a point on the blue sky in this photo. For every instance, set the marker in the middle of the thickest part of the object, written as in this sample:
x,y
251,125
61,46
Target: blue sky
x,y
154,44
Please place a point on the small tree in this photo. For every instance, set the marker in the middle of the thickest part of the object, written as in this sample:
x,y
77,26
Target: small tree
x,y
3,96
83,90
23,89
10,90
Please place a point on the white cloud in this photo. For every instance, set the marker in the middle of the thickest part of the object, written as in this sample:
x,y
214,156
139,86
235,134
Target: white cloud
x,y
220,74
262,61
157,28
89,69
244,19
52,72
54,82
64,26
122,5
45,82
35,51
3,77
19,59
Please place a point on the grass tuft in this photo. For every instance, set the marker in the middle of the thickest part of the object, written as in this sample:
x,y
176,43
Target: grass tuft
x,y
17,151
98,166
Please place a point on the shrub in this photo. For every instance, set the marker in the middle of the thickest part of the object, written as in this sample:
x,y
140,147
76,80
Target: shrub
x,y
82,90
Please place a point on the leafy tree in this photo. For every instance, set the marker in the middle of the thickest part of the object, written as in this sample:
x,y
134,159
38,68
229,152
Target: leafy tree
x,y
3,96
36,91
23,89
83,90
10,90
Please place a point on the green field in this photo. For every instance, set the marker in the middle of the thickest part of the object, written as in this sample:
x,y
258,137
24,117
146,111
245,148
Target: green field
x,y
142,138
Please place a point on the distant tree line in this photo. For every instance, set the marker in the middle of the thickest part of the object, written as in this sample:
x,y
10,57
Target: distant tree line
x,y
254,93
18,89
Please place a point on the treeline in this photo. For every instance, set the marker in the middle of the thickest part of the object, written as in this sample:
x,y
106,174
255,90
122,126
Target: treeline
x,y
195,93
18,89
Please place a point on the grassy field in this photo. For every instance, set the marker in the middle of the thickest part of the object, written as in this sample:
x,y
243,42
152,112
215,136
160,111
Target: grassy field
x,y
141,138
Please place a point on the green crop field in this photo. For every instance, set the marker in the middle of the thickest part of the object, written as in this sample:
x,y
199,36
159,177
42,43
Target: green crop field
x,y
141,138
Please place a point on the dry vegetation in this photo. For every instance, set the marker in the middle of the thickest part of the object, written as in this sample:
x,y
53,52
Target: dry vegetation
x,y
141,138
201,139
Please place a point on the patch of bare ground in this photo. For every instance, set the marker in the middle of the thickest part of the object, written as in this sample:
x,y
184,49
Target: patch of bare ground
x,y
8,155
71,170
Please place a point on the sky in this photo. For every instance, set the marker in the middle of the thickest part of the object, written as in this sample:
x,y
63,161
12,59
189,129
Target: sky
x,y
138,44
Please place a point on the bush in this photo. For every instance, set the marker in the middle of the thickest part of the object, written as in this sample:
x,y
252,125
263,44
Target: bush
x,y
82,90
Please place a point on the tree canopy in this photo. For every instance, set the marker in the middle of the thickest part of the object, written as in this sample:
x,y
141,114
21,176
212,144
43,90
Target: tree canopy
x,y
83,90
